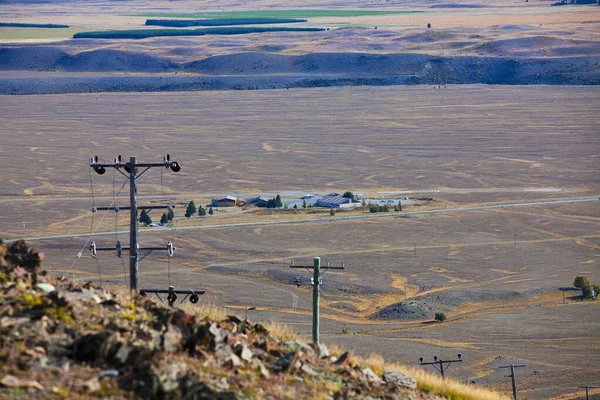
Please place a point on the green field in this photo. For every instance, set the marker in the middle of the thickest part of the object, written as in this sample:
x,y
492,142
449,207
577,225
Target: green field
x,y
36,33
281,14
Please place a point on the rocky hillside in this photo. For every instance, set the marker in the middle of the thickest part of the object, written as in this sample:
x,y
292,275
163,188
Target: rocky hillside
x,y
63,340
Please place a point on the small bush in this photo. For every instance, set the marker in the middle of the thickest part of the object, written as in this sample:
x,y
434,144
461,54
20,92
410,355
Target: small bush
x,y
581,281
440,316
346,331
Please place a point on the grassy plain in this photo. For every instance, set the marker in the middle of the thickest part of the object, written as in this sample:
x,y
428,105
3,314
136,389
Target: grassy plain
x,y
497,274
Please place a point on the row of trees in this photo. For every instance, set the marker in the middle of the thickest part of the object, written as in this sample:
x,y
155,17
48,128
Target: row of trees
x,y
275,202
374,208
191,210
147,33
588,290
183,23
23,25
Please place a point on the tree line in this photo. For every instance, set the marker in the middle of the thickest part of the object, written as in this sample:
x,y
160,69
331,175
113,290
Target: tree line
x,y
147,33
184,23
23,25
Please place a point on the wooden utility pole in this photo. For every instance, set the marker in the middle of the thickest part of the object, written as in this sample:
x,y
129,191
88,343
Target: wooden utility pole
x,y
316,292
513,376
131,169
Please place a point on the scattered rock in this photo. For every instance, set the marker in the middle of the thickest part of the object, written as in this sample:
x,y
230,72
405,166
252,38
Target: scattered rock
x,y
13,381
399,379
371,376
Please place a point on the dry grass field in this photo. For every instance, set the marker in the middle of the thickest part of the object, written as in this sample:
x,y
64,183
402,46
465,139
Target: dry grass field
x,y
497,274
502,276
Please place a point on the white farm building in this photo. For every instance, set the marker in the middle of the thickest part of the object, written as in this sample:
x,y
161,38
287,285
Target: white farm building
x,y
334,200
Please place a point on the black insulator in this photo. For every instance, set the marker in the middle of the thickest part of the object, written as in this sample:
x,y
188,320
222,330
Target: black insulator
x,y
175,167
100,170
194,298
127,169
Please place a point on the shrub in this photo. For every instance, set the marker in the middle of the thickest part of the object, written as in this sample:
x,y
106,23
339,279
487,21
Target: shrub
x,y
581,281
440,316
331,212
346,331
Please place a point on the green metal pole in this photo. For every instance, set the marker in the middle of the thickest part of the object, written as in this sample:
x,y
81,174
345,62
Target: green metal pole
x,y
317,275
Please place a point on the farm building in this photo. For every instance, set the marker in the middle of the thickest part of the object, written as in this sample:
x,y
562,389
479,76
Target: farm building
x,y
334,200
227,201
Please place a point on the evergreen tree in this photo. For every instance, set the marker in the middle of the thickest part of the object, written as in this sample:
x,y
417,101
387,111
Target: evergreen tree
x,y
170,215
164,219
201,211
210,211
143,216
348,195
190,210
331,212
303,203
278,203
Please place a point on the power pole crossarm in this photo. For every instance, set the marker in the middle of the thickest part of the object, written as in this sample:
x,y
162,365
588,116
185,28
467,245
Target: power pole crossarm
x,y
441,365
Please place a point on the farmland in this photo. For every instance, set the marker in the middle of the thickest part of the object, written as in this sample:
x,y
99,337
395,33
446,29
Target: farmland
x,y
497,274
378,104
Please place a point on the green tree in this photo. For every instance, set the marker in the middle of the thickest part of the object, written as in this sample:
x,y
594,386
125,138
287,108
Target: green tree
x,y
348,195
295,206
201,211
303,203
191,209
164,219
586,291
440,316
210,211
278,203
581,281
170,214
331,212
144,218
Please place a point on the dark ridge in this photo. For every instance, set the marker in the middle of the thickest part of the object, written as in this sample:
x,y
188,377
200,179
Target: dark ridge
x,y
147,33
29,58
114,60
181,23
22,25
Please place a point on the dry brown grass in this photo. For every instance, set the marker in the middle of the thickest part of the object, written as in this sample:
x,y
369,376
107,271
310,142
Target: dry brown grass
x,y
448,388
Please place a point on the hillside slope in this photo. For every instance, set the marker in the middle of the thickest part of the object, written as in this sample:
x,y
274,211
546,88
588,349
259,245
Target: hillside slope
x,y
40,70
62,340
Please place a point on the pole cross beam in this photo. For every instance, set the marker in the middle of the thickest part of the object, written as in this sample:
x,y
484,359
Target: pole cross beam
x,y
172,294
132,174
513,376
316,293
587,390
441,365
